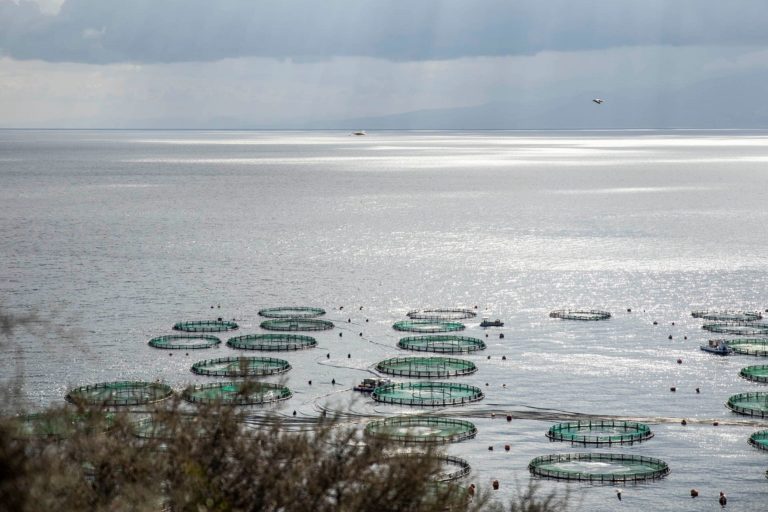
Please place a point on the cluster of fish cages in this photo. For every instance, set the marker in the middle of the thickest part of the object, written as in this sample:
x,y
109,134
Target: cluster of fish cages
x,y
444,314
427,326
749,404
296,324
272,342
420,367
205,326
580,314
184,341
291,312
599,432
757,347
728,316
759,440
241,367
757,373
237,393
604,468
119,393
421,429
442,344
427,394
737,328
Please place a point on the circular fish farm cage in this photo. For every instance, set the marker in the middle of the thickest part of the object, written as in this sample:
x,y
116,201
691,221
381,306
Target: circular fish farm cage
x,y
739,328
580,314
421,429
155,428
759,440
60,425
757,347
427,394
296,324
120,393
446,344
205,326
755,373
749,404
600,432
237,393
599,467
728,316
291,312
184,341
241,367
441,314
452,468
427,326
272,342
426,367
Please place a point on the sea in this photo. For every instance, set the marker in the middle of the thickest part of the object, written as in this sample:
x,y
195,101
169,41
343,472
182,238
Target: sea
x,y
111,237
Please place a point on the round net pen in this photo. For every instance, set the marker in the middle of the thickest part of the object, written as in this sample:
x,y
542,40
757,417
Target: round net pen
x,y
421,429
759,440
728,316
444,314
755,373
605,468
184,341
296,324
738,328
757,347
60,425
237,393
205,326
154,427
749,404
445,344
427,394
600,432
291,312
580,314
452,468
427,326
241,367
120,393
426,367
272,342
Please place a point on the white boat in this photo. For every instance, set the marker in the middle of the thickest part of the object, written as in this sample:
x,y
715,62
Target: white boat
x,y
719,347
491,323
368,385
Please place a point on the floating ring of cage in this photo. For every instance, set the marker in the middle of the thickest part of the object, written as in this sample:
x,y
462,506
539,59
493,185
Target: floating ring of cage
x,y
598,467
237,393
421,429
759,440
121,392
600,432
427,326
427,393
184,341
453,468
241,366
441,314
272,342
442,344
296,324
728,316
749,404
749,346
291,312
757,373
580,314
426,367
205,326
60,424
154,427
741,328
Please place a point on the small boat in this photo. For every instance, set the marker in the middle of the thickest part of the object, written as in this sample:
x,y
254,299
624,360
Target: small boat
x,y
368,385
359,132
491,323
719,347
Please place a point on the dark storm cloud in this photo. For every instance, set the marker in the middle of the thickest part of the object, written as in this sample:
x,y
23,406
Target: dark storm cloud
x,y
105,31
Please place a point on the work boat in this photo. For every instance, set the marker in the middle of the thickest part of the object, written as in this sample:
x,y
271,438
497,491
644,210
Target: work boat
x,y
359,132
368,385
719,347
491,323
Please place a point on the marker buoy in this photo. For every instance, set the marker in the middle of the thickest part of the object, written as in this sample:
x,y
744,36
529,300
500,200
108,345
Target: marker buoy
x,y
495,485
490,448
673,389
679,361
506,447
509,417
683,423
694,493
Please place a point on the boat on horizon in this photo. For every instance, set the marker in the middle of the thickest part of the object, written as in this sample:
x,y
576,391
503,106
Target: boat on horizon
x,y
359,132
491,323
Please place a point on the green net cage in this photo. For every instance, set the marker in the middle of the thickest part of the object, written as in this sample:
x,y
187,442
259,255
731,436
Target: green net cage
x,y
205,326
759,440
241,366
272,342
728,316
580,314
60,424
452,468
600,432
428,394
427,326
184,341
237,393
426,367
154,427
296,324
441,314
421,429
599,467
749,404
755,373
120,393
757,347
291,312
445,344
738,328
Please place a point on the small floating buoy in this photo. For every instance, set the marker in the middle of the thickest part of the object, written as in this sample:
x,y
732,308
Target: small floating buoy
x,y
495,485
655,322
366,320
683,423
333,381
361,308
211,306
490,448
618,494
685,337
310,382
294,412
349,320
509,417
723,500
339,335
170,354
486,335
471,490
489,357
673,323
349,356
694,493
186,354
341,307
673,389
715,423
679,361
327,356
220,320
506,447
670,337
503,385
698,390
486,384
361,334
629,310
501,335
765,310
503,358
493,415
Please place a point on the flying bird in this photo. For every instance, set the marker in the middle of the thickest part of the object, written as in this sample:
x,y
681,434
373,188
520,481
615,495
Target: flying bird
x,y
598,101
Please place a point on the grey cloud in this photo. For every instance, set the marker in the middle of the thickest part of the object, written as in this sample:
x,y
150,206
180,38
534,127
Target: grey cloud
x,y
108,31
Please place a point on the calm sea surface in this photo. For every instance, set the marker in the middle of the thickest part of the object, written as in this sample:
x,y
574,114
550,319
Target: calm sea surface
x,y
115,236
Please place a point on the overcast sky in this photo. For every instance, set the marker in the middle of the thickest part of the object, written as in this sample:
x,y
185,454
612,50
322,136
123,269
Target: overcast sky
x,y
254,63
